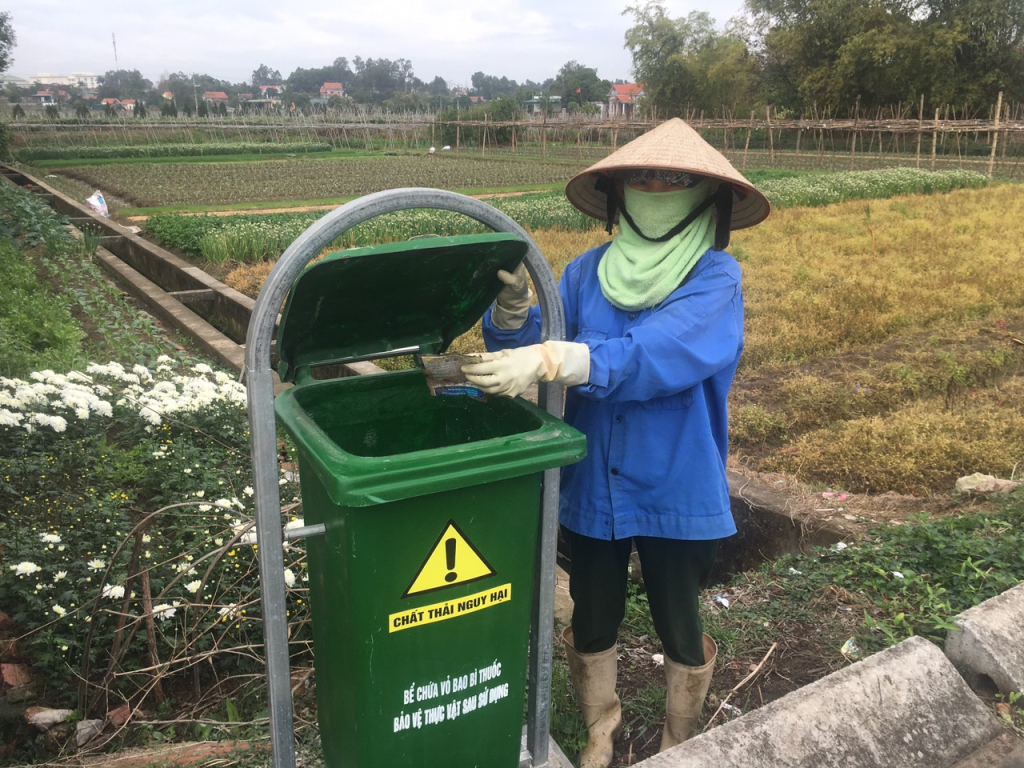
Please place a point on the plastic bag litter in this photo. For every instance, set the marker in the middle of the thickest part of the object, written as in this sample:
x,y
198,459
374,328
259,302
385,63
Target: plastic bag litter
x,y
979,483
98,204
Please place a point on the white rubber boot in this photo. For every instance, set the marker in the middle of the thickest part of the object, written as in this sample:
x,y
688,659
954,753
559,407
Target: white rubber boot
x,y
593,676
686,689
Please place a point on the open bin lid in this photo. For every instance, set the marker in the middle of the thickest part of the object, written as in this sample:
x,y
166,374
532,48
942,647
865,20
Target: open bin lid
x,y
366,302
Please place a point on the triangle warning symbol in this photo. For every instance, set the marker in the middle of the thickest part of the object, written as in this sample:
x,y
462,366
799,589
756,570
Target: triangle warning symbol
x,y
452,560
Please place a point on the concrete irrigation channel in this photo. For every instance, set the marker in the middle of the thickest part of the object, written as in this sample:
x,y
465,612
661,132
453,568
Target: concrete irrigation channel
x,y
910,705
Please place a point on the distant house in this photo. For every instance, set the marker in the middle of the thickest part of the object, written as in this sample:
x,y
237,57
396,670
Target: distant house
x,y
129,105
331,89
270,91
535,106
45,98
215,98
245,97
622,99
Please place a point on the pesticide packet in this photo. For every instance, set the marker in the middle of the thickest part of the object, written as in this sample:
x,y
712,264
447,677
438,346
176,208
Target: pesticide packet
x,y
445,377
98,204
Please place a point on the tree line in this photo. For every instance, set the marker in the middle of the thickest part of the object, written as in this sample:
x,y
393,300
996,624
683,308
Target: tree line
x,y
829,56
811,57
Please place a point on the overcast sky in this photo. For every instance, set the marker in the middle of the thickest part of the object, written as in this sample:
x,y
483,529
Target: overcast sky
x,y
228,39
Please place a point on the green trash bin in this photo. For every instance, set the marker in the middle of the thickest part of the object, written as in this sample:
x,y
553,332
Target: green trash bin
x,y
421,588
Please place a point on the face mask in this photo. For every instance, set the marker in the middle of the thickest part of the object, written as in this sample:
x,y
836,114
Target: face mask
x,y
655,213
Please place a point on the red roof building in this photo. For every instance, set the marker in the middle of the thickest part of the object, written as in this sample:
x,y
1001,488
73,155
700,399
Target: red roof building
x,y
215,97
331,89
622,99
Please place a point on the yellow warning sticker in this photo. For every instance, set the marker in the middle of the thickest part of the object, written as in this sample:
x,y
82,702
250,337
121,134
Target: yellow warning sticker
x,y
452,560
449,609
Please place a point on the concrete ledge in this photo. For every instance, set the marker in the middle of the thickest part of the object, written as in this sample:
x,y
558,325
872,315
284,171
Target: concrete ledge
x,y
903,708
172,311
988,642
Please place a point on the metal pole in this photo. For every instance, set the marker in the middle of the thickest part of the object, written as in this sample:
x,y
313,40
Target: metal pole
x,y
260,388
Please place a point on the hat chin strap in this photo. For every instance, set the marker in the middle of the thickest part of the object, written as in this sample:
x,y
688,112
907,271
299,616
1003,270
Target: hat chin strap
x,y
722,200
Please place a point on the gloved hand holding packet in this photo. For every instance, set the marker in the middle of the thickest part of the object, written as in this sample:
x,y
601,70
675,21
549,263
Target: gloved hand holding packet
x,y
445,377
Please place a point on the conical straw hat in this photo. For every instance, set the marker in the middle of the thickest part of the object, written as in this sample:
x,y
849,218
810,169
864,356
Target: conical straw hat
x,y
673,145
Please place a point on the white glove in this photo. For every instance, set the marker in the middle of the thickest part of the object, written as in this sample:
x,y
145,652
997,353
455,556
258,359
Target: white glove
x,y
511,371
512,306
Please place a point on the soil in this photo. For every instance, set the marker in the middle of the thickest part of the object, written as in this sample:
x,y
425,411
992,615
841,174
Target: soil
x,y
792,664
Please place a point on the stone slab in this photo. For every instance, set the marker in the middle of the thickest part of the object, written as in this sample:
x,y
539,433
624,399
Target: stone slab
x,y
1007,751
906,707
987,643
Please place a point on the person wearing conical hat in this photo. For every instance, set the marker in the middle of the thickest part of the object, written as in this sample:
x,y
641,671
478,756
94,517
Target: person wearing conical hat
x,y
654,324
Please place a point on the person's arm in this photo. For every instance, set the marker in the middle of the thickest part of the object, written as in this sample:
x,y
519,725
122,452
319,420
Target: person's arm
x,y
515,360
696,334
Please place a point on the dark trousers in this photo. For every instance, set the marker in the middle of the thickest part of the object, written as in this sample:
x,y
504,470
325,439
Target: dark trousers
x,y
673,572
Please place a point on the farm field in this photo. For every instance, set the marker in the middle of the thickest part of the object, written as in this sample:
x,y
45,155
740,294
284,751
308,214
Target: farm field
x,y
274,181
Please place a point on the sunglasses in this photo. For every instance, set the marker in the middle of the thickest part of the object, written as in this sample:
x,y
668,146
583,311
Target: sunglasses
x,y
682,179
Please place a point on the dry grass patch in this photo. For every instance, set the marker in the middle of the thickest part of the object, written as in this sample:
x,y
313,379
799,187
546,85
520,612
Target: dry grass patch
x,y
821,280
917,448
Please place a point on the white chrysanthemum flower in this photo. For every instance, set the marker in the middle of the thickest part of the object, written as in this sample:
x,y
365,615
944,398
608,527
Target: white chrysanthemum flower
x,y
163,612
897,574
202,368
113,591
222,503
289,578
248,491
229,611
9,418
193,586
59,610
59,576
25,568
49,538
96,565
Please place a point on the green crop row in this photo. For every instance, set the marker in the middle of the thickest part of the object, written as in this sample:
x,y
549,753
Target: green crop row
x,y
829,188
170,150
258,237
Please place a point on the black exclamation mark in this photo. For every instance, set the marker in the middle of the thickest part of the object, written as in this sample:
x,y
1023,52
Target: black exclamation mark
x,y
449,551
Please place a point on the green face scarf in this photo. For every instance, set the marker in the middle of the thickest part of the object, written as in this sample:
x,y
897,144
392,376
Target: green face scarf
x,y
635,273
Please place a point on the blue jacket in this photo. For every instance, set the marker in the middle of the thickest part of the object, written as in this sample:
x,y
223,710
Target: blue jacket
x,y
655,409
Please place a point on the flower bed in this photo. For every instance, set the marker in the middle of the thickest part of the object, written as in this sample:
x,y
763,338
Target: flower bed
x,y
129,550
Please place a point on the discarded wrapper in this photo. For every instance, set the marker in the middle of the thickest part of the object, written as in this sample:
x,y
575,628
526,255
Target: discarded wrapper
x,y
445,377
98,204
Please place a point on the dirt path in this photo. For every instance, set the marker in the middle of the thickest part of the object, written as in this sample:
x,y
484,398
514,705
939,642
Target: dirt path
x,y
302,208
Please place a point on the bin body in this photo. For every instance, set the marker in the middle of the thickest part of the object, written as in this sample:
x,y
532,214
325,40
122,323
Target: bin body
x,y
421,589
